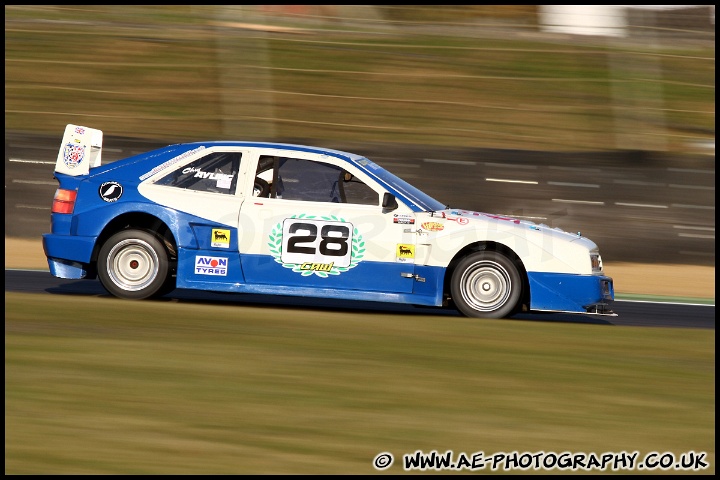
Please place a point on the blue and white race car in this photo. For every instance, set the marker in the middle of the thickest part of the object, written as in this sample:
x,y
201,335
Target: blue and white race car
x,y
272,218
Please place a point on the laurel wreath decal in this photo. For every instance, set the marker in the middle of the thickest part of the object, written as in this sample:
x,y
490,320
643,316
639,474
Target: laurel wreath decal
x,y
275,245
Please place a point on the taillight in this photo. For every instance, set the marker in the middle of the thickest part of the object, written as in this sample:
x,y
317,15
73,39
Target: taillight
x,y
64,201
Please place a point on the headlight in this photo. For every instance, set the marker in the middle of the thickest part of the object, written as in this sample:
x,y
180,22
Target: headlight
x,y
596,262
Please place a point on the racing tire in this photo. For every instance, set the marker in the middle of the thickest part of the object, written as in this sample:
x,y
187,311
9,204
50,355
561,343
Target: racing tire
x,y
134,264
168,287
486,285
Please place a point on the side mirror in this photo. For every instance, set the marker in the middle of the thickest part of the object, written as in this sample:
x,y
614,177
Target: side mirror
x,y
389,202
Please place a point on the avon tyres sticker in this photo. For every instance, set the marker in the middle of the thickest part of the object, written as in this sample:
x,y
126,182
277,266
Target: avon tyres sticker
x,y
211,265
320,246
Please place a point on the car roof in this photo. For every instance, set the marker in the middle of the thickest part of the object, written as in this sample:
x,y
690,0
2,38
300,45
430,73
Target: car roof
x,y
159,156
351,157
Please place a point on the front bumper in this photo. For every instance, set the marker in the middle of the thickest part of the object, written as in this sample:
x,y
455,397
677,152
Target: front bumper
x,y
561,292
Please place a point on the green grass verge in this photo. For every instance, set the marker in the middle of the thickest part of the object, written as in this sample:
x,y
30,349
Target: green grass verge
x,y
104,386
663,298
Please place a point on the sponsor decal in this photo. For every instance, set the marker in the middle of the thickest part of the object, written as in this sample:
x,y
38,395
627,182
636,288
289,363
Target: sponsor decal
x,y
320,267
312,245
459,220
406,219
110,191
73,155
80,130
217,266
172,161
220,177
405,253
433,226
220,238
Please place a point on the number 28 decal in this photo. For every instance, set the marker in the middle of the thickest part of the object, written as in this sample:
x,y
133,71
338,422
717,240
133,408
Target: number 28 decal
x,y
320,246
316,242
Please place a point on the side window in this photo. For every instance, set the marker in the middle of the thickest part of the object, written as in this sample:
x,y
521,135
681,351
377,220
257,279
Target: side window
x,y
216,173
306,180
296,179
357,192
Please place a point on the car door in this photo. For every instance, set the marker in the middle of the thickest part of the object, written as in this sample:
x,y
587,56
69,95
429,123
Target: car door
x,y
323,226
203,194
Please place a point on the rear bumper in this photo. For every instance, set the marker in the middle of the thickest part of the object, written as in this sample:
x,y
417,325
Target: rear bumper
x,y
571,293
66,269
68,256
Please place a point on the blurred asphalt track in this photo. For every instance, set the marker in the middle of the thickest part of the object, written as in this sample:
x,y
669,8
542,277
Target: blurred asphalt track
x,y
637,206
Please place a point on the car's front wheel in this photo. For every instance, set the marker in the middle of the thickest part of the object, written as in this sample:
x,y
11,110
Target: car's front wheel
x,y
486,285
133,264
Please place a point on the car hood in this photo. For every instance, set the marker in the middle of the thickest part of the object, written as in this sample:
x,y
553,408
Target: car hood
x,y
453,220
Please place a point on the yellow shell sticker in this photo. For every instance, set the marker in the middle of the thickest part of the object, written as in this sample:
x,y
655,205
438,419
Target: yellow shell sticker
x,y
405,252
432,226
220,238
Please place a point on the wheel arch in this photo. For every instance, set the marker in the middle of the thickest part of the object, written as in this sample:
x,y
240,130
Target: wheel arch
x,y
493,247
139,221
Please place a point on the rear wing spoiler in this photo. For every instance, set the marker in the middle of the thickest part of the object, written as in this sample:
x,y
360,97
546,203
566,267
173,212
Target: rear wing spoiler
x,y
80,149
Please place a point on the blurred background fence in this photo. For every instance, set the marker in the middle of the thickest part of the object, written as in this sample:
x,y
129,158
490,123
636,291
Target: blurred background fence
x,y
497,76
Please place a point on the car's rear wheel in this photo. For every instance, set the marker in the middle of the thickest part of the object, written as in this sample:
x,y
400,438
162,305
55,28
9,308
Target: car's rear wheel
x,y
133,264
486,285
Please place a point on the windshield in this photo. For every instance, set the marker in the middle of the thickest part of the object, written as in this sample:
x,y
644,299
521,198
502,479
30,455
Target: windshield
x,y
419,200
